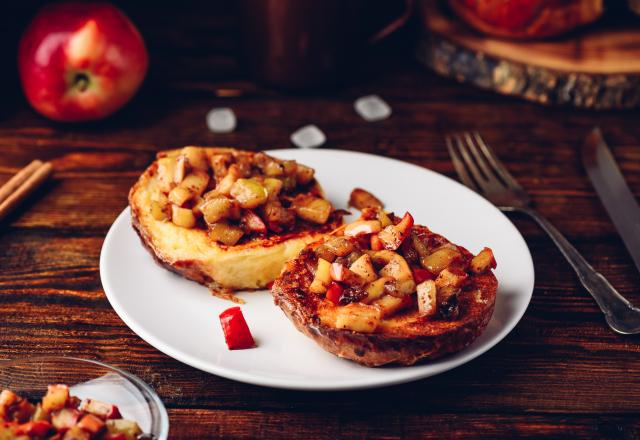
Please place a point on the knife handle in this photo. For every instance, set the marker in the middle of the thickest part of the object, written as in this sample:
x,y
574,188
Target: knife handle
x,y
617,309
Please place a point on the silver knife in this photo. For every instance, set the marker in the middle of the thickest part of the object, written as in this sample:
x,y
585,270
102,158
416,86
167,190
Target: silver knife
x,y
613,191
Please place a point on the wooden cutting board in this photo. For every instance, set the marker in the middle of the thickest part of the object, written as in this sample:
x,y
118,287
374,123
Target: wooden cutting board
x,y
594,67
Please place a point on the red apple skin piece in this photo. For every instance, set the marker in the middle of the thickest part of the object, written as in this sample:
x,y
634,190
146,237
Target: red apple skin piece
x,y
393,236
253,222
81,61
341,273
337,271
420,275
235,329
334,292
92,424
101,409
376,243
35,429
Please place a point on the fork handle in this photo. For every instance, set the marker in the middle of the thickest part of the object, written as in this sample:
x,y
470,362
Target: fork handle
x,y
612,304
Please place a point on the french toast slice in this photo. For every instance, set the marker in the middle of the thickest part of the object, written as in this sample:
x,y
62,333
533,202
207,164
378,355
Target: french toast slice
x,y
228,218
384,291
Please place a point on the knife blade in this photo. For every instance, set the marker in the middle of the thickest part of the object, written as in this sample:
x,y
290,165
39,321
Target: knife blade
x,y
613,191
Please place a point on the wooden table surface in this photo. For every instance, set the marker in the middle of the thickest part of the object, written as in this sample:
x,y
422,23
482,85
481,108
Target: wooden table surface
x,y
560,373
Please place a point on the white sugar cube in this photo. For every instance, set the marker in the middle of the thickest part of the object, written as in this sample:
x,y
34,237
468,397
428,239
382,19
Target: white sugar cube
x,y
221,120
372,108
308,136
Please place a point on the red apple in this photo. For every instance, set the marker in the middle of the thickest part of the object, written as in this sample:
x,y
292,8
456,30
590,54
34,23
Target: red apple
x,y
527,18
81,61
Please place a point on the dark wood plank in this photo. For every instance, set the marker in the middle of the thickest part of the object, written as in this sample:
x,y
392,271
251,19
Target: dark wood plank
x,y
190,424
560,374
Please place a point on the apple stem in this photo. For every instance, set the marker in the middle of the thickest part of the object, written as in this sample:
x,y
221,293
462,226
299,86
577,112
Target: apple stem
x,y
81,81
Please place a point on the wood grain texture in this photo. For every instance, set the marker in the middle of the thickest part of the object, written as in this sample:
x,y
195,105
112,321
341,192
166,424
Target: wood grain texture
x,y
596,66
610,46
560,374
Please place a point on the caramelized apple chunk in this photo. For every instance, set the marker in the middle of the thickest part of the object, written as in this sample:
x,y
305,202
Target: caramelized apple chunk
x,y
358,317
483,261
313,209
351,269
361,199
183,217
225,233
223,186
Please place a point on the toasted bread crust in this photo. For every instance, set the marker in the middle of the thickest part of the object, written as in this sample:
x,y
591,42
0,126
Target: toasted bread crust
x,y
405,339
190,253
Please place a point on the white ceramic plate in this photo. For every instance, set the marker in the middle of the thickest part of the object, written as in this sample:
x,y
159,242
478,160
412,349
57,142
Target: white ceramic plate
x,y
180,317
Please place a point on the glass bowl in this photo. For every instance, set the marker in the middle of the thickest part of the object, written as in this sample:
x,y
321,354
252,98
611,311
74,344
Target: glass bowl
x,y
87,378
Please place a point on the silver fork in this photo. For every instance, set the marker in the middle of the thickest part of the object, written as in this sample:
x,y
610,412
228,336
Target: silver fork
x,y
479,169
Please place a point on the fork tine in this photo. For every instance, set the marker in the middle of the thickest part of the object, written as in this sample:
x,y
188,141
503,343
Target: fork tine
x,y
499,168
459,166
470,165
481,160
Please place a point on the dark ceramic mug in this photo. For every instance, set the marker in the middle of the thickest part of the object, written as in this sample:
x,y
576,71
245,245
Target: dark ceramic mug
x,y
297,44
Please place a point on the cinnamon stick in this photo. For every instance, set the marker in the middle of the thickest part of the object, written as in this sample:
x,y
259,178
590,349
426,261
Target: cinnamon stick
x,y
20,186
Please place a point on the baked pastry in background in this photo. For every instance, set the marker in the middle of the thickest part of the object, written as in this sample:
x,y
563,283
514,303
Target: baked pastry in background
x,y
527,19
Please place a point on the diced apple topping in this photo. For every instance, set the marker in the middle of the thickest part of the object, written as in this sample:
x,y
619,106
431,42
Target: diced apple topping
x,y
483,261
128,428
252,222
395,266
390,305
451,277
426,296
196,158
313,209
195,183
383,218
356,268
61,416
361,199
165,172
304,174
340,273
226,183
219,208
7,398
215,186
393,235
91,424
322,278
364,267
56,397
101,409
76,433
362,227
375,289
358,317
183,217
160,211
339,246
65,418
249,193
179,195
273,187
440,259
180,170
225,233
